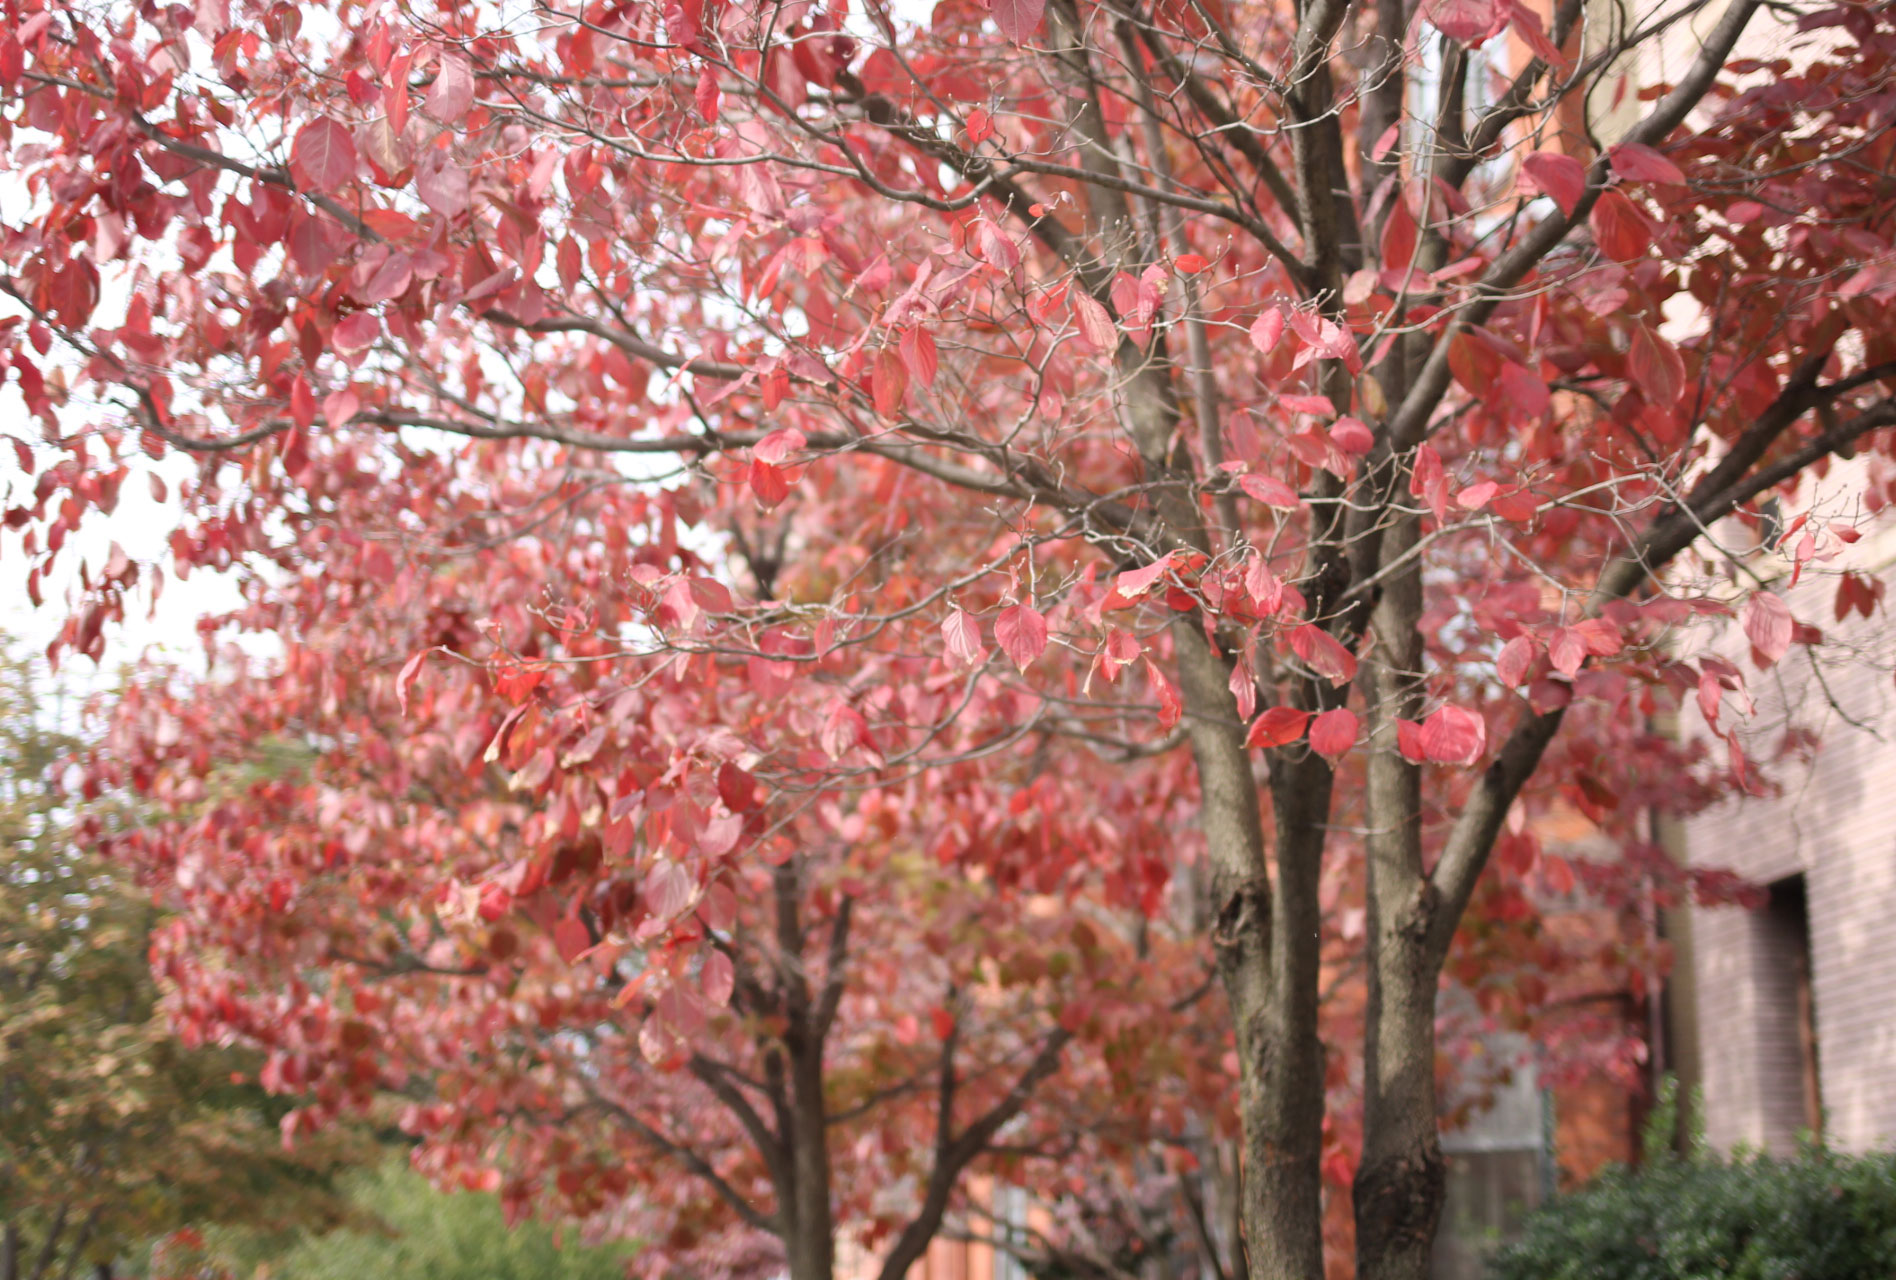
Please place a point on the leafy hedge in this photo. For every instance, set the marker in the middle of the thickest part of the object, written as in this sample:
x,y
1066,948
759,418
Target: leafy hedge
x,y
1820,1216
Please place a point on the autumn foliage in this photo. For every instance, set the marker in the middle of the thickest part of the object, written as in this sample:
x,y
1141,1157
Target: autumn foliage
x,y
833,571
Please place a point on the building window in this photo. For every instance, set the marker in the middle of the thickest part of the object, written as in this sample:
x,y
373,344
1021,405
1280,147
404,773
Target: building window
x,y
1010,1229
1792,1095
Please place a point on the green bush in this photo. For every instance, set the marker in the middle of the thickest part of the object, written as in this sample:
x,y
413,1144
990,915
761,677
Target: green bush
x,y
1820,1216
418,1234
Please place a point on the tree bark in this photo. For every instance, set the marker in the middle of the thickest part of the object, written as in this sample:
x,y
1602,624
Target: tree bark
x,y
1400,1179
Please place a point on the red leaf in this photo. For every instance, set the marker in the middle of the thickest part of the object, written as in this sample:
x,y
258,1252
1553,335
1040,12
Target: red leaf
x,y
918,350
1018,19
1619,228
572,938
1352,437
325,154
770,484
1189,264
706,94
1399,235
302,402
1319,405
357,331
1333,733
1454,735
1409,742
1561,177
1021,631
1600,636
1270,491
1655,367
1637,162
1325,655
1517,657
1170,708
1277,726
890,384
1710,694
778,445
406,680
1768,625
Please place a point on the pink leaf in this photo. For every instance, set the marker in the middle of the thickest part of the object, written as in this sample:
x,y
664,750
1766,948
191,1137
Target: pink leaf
x,y
1517,656
1270,491
452,92
1710,694
1096,323
1333,733
406,680
778,445
1266,330
1567,651
1021,631
1768,624
325,154
1134,583
1018,19
1170,707
1477,496
717,979
962,636
1470,21
443,187
1319,405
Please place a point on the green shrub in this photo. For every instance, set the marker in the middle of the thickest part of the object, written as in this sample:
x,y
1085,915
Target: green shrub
x,y
1820,1216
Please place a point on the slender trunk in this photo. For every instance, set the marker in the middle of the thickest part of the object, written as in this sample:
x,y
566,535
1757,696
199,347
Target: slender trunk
x,y
9,1252
1399,1181
811,1244
76,1254
50,1247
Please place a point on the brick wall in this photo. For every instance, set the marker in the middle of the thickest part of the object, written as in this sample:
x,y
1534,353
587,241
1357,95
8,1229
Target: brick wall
x,y
1835,824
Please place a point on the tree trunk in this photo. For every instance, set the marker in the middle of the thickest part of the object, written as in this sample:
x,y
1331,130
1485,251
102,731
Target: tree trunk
x,y
1399,1181
9,1252
811,1241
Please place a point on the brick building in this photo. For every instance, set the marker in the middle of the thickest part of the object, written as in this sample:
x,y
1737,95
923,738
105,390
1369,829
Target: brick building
x,y
1785,1016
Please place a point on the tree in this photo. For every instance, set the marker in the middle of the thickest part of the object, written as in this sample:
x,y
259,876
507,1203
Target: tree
x,y
700,1052
409,1231
110,1133
1117,382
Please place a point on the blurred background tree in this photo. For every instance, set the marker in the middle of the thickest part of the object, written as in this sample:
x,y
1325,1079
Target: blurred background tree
x,y
405,1229
113,1133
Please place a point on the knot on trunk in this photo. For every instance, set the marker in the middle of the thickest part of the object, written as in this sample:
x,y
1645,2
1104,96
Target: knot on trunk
x,y
1398,1204
1243,918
